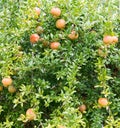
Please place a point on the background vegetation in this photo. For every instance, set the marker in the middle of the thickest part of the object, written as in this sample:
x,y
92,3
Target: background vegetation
x,y
56,82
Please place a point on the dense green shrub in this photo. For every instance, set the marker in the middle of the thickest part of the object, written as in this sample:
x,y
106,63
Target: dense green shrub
x,y
56,82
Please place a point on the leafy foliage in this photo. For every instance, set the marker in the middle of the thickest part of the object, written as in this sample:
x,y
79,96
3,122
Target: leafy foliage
x,y
56,82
